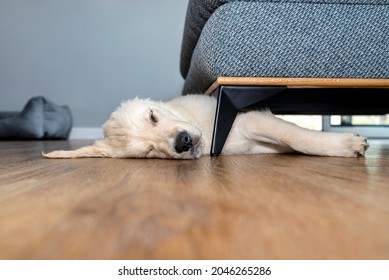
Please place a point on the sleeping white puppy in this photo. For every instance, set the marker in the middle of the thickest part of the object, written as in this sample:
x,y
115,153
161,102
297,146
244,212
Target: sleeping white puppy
x,y
182,129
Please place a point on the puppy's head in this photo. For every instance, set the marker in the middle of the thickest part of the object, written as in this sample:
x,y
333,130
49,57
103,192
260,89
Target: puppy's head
x,y
143,129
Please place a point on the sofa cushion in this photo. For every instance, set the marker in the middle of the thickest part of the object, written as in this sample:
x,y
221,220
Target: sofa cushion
x,y
199,11
287,39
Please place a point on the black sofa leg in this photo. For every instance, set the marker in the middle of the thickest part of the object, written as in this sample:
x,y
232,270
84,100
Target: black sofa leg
x,y
224,119
230,100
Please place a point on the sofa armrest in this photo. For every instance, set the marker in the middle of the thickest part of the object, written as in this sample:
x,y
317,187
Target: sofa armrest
x,y
198,13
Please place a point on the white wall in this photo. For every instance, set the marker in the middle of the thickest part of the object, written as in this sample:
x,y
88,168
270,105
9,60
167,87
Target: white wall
x,y
89,54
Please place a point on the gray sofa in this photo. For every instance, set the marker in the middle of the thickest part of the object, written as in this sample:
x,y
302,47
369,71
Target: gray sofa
x,y
284,38
288,39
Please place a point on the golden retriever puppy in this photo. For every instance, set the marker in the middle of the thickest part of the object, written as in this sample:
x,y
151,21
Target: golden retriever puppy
x,y
182,129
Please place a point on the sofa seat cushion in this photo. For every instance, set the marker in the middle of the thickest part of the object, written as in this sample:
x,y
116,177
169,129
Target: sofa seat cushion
x,y
345,39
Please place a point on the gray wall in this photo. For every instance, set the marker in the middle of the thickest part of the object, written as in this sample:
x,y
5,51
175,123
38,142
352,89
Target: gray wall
x,y
89,54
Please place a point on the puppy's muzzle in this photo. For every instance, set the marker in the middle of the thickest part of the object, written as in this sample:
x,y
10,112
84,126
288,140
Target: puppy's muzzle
x,y
183,142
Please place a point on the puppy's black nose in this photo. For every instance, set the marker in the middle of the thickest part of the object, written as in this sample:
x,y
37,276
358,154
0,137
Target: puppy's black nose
x,y
183,142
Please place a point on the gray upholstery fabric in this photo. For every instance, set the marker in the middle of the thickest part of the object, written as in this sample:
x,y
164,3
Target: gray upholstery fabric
x,y
284,39
40,119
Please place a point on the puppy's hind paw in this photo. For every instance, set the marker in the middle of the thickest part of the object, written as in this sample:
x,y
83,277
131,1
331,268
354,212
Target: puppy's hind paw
x,y
358,145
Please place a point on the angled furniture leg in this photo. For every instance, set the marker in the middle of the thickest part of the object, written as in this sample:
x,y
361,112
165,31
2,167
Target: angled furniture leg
x,y
224,119
230,100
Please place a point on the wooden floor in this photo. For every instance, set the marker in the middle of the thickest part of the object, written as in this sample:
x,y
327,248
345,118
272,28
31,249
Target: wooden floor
x,y
231,207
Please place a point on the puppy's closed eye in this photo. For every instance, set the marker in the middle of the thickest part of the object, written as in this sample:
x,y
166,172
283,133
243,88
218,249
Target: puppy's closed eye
x,y
152,116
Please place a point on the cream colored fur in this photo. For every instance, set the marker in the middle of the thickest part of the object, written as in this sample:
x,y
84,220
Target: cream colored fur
x,y
142,128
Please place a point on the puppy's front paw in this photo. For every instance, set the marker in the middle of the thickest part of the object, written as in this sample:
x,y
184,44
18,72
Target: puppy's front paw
x,y
354,145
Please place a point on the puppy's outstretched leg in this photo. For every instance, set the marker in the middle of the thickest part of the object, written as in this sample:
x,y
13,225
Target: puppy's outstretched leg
x,y
98,149
263,126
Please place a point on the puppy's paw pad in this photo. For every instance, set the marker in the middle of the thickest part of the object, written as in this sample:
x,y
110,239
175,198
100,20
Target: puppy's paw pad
x,y
356,145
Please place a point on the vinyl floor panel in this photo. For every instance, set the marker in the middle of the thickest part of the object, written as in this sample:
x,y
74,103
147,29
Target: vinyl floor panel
x,y
228,207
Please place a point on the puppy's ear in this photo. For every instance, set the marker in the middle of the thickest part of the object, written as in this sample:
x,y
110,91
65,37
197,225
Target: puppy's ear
x,y
99,149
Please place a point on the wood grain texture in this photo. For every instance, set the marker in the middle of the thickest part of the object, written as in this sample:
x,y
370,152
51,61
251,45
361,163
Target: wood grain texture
x,y
230,207
297,82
